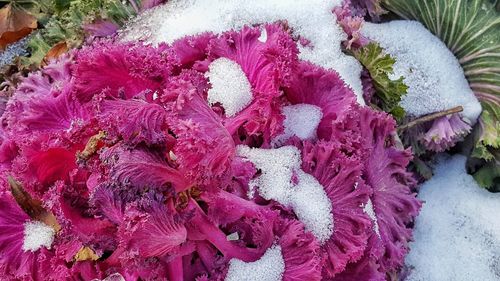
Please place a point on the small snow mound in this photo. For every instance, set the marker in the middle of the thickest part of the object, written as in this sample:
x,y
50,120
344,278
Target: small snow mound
x,y
434,77
270,267
457,234
301,120
230,86
312,206
309,19
307,198
36,235
277,166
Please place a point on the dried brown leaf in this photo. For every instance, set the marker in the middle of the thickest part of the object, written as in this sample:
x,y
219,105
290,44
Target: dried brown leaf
x,y
31,206
56,51
14,24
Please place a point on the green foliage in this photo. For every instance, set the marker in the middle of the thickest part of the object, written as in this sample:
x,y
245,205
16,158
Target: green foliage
x,y
471,30
63,20
489,176
380,66
38,48
488,127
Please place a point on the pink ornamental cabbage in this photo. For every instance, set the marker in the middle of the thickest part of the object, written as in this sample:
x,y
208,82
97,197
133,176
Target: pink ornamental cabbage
x,y
445,132
393,197
101,28
120,145
15,261
340,175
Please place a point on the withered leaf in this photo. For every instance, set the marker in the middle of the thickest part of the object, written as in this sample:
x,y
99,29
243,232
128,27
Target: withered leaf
x,y
54,52
15,24
31,206
85,253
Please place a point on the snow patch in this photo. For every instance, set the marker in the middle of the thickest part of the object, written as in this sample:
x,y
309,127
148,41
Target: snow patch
x,y
270,267
230,86
457,234
307,197
301,120
312,206
434,77
370,211
309,19
36,235
263,35
277,166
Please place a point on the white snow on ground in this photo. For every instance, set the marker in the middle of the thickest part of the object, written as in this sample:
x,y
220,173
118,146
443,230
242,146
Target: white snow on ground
x,y
270,267
457,234
309,19
301,120
36,235
435,79
279,166
230,86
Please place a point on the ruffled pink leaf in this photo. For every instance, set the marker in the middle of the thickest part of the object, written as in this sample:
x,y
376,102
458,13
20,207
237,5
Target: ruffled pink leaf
x,y
148,4
43,102
351,20
258,124
301,251
445,132
108,203
204,147
267,65
134,120
53,165
142,168
323,88
394,203
101,28
373,7
366,268
253,223
123,70
341,176
201,228
156,233
13,260
191,52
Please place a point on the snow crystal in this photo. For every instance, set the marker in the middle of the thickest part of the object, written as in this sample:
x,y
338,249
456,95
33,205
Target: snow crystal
x,y
307,198
368,209
270,267
457,234
230,86
309,19
36,235
434,77
301,120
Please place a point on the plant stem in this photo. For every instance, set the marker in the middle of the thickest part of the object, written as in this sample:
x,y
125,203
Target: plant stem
x,y
430,117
